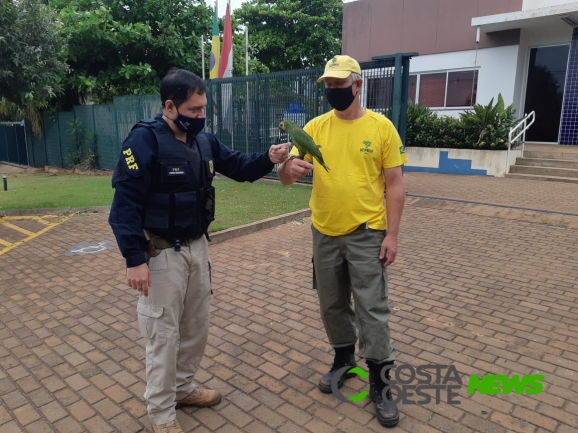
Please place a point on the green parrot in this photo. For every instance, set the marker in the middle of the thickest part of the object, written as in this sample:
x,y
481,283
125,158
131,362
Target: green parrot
x,y
303,142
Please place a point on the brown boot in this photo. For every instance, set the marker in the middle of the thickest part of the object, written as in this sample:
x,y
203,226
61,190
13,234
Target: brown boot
x,y
201,398
170,427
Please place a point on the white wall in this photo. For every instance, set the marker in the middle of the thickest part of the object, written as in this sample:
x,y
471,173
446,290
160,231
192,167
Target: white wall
x,y
427,159
536,4
497,70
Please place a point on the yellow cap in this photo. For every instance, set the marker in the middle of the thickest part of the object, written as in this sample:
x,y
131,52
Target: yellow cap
x,y
340,67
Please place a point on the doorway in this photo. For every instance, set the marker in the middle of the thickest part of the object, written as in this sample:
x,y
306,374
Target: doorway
x,y
545,91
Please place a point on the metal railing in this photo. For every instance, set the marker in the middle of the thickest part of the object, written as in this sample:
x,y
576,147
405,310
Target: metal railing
x,y
526,122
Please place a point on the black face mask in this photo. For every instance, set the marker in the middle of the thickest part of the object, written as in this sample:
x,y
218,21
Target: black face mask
x,y
190,125
340,98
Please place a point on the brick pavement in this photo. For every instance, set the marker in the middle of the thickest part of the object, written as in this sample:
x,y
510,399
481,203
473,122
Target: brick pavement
x,y
561,197
487,294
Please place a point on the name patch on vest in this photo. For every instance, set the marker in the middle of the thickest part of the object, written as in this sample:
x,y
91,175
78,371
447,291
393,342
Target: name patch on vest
x,y
176,170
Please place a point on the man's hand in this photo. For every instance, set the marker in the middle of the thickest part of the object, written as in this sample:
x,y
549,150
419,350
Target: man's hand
x,y
139,278
297,168
279,152
388,250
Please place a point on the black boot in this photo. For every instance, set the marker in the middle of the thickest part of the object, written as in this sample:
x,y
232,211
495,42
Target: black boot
x,y
385,410
344,357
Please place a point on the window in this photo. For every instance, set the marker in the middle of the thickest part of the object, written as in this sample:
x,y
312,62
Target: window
x,y
412,91
432,90
444,89
379,93
462,88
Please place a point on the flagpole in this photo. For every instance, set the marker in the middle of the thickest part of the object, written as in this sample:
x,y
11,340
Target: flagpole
x,y
214,67
230,86
247,98
203,54
246,50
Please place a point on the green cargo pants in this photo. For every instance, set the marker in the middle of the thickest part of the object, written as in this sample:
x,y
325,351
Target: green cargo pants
x,y
349,266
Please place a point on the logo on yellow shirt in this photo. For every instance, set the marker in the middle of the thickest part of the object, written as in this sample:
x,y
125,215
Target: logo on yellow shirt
x,y
401,151
367,149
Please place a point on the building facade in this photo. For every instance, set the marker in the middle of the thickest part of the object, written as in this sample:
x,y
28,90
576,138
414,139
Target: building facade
x,y
472,50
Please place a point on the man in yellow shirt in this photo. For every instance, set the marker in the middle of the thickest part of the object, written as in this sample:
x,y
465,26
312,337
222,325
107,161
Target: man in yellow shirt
x,y
351,247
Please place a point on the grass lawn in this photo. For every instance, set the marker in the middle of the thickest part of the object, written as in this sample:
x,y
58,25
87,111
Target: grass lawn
x,y
236,204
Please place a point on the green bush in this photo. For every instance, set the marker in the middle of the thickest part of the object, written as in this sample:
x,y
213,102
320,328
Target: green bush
x,y
84,156
484,127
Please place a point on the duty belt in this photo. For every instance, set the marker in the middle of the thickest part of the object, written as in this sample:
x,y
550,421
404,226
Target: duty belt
x,y
158,243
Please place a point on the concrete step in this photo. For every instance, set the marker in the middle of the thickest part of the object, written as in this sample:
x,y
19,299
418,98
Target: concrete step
x,y
544,171
566,155
547,178
554,163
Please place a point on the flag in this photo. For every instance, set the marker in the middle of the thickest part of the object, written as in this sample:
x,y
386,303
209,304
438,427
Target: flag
x,y
226,63
216,48
226,70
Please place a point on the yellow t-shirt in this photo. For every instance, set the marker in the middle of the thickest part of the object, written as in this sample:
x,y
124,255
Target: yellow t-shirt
x,y
355,151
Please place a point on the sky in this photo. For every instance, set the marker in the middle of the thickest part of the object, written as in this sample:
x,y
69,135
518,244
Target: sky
x,y
222,5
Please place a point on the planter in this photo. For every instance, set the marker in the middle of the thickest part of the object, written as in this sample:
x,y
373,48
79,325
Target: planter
x,y
470,162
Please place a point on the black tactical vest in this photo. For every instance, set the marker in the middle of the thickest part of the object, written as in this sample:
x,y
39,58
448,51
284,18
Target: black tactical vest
x,y
181,199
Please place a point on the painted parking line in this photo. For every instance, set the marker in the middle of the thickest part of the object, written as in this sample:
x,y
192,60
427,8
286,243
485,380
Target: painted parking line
x,y
18,229
11,223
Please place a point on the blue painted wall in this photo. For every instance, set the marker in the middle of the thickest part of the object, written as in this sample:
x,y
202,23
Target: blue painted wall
x,y
448,165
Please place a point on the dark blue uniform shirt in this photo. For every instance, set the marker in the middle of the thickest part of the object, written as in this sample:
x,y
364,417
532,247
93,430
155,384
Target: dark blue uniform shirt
x,y
133,176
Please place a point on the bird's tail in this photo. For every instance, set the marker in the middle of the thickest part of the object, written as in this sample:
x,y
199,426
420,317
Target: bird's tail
x,y
322,163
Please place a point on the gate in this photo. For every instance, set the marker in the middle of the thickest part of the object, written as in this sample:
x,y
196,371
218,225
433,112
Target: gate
x,y
245,112
13,143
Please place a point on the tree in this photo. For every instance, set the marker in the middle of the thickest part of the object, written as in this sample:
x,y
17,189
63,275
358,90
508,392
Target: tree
x,y
125,47
31,60
293,34
239,58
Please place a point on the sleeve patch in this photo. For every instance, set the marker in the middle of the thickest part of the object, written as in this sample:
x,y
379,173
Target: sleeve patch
x,y
129,159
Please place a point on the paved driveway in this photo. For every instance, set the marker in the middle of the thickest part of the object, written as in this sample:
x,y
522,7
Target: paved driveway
x,y
487,289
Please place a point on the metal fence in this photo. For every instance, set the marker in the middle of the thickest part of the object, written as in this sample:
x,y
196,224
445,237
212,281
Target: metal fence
x,y
243,112
99,127
13,143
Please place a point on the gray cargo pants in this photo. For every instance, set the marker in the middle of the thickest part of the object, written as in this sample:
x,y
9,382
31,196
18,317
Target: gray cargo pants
x,y
175,320
346,266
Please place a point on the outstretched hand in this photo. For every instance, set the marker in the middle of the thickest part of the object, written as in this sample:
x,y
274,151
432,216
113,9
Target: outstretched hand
x,y
298,168
278,153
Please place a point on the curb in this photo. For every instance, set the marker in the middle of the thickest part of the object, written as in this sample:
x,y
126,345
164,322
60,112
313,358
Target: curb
x,y
55,211
234,232
216,237
535,216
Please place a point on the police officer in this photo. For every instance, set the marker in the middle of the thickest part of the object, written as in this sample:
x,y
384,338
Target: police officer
x,y
163,205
